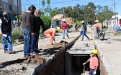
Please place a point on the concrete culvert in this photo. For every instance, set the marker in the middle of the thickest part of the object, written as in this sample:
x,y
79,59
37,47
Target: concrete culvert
x,y
74,64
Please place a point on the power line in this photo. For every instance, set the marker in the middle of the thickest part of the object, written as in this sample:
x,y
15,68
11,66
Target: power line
x,y
61,2
103,2
68,2
29,2
118,1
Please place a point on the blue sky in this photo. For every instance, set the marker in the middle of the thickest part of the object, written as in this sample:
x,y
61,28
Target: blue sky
x,y
61,3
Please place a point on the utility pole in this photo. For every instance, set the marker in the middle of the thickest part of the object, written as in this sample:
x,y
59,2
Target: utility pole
x,y
18,11
63,13
115,11
39,4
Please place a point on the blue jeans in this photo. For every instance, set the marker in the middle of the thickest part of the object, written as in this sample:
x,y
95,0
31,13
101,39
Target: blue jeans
x,y
27,41
34,42
7,42
92,71
65,32
84,34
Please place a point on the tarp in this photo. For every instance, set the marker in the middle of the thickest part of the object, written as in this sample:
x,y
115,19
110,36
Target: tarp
x,y
9,15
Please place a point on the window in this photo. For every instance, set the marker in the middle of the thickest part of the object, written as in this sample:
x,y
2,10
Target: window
x,y
15,2
3,6
12,8
0,3
5,1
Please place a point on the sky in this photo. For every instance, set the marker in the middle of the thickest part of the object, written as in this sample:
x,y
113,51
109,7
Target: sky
x,y
65,3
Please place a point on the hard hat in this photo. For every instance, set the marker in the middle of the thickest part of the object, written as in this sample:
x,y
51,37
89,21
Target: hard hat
x,y
58,29
96,21
94,51
82,21
64,20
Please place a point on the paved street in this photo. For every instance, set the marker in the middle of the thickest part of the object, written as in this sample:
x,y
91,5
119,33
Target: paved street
x,y
1,46
42,44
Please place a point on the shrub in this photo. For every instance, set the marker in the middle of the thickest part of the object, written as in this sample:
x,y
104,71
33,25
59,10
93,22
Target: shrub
x,y
46,20
78,23
17,34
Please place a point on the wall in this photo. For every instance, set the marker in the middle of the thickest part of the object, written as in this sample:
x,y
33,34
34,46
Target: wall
x,y
7,4
56,65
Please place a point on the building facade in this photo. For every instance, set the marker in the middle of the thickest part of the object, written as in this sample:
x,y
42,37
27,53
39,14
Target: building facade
x,y
11,6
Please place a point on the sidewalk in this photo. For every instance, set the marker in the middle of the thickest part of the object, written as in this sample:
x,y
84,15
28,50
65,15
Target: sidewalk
x,y
42,43
111,53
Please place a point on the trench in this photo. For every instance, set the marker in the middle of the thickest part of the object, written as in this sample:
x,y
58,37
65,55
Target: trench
x,y
74,64
53,62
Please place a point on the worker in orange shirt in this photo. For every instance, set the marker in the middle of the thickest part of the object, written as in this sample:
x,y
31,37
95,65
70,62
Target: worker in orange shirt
x,y
93,62
50,34
97,27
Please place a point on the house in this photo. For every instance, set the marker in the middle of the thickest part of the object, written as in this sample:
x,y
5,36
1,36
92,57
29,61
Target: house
x,y
114,20
11,7
58,16
61,17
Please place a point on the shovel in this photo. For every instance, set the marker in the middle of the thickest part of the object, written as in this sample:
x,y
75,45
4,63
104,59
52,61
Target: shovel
x,y
83,70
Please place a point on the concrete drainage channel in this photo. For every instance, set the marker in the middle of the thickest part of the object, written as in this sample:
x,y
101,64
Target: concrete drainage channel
x,y
54,63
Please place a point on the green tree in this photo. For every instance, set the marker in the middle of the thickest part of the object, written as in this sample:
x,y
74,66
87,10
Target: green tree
x,y
48,2
20,17
53,12
43,3
89,13
67,11
105,14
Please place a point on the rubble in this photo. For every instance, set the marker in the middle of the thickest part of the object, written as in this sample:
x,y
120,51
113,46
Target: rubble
x,y
50,55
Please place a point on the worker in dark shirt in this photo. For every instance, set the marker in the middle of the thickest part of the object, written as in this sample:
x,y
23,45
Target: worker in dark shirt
x,y
38,23
28,19
84,30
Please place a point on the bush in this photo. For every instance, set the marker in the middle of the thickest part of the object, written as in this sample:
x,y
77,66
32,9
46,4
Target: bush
x,y
46,20
78,23
17,34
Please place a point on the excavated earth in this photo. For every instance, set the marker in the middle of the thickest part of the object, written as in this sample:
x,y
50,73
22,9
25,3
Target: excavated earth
x,y
27,66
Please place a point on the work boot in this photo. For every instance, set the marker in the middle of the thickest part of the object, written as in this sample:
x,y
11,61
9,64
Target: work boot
x,y
12,52
89,39
33,53
68,36
63,37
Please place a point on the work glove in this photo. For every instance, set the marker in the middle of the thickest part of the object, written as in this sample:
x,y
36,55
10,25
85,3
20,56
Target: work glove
x,y
94,72
84,63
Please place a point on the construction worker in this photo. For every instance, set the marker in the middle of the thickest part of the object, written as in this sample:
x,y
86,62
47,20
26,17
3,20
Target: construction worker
x,y
93,62
50,34
58,29
97,27
116,29
64,28
83,30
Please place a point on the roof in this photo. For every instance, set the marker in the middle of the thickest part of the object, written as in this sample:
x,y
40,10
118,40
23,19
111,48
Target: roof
x,y
113,18
9,15
58,16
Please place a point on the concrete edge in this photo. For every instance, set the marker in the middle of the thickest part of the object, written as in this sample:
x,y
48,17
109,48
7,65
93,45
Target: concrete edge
x,y
56,57
101,55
